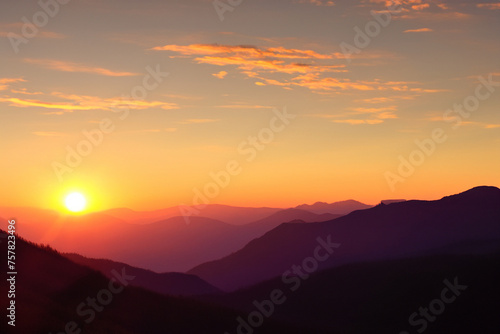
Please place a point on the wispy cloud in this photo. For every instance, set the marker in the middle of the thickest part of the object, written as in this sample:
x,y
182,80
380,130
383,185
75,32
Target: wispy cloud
x,y
262,64
183,97
17,102
358,121
247,51
11,80
6,29
420,9
286,68
24,91
316,83
152,130
420,6
484,125
385,99
362,115
220,75
75,102
5,82
491,6
65,66
243,106
379,113
418,30
317,2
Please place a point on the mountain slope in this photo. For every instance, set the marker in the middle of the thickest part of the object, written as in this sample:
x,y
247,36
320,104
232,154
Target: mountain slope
x,y
384,232
176,284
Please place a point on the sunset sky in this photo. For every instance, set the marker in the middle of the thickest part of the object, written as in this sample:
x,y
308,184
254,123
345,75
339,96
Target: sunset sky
x,y
227,80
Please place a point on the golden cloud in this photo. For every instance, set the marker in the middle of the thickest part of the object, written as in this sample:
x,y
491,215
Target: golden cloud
x,y
418,30
220,75
5,82
65,66
286,68
75,102
358,121
247,51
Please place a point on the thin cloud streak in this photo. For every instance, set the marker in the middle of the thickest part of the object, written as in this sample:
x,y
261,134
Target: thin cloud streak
x,y
418,30
65,66
86,103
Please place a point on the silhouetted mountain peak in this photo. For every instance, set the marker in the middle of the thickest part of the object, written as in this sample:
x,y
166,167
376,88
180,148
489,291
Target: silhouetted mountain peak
x,y
479,196
477,192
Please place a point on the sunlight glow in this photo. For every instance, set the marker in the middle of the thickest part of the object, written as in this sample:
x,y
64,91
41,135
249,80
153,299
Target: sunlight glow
x,y
75,202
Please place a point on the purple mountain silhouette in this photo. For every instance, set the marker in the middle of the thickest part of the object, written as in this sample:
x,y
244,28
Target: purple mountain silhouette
x,y
384,232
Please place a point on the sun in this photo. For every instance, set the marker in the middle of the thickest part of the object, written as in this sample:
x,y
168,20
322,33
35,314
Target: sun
x,y
75,202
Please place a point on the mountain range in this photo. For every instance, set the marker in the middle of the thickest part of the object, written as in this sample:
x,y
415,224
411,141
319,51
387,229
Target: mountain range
x,y
178,243
371,270
398,230
376,270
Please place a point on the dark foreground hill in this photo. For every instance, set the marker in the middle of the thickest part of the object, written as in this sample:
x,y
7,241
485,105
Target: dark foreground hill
x,y
56,295
460,293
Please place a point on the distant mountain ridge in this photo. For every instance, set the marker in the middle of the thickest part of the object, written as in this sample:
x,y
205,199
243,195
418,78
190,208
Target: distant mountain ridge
x,y
229,214
178,244
232,214
288,215
341,208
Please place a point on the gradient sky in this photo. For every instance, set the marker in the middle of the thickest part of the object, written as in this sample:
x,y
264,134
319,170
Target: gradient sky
x,y
354,118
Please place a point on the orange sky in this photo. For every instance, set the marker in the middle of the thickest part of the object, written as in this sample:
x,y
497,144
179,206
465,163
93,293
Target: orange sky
x,y
135,104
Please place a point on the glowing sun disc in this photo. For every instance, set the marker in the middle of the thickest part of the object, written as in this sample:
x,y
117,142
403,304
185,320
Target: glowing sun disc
x,y
75,202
